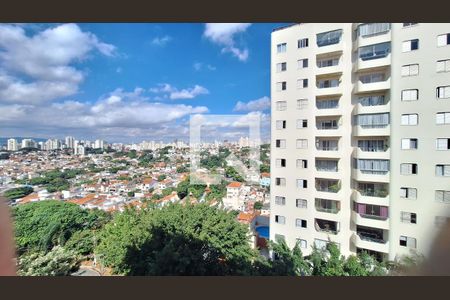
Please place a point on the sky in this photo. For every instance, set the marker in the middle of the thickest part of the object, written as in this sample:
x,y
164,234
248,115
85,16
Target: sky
x,y
133,82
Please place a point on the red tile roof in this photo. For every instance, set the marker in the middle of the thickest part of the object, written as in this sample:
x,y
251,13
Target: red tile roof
x,y
234,184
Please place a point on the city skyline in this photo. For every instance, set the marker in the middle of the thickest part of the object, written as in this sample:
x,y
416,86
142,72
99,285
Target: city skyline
x,y
131,82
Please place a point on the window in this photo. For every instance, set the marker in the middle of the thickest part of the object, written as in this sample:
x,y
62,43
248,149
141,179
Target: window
x,y
372,78
372,145
281,48
281,67
280,162
443,65
408,242
371,100
443,118
327,124
281,86
302,163
372,166
281,105
325,165
409,24
302,183
371,29
374,51
443,92
281,124
372,120
327,145
443,144
409,119
302,243
443,40
408,217
327,83
302,43
302,144
280,144
279,200
443,170
410,95
327,104
327,62
441,221
302,63
302,103
410,45
408,144
408,193
329,38
302,83
301,223
280,219
302,123
301,203
280,181
408,169
410,70
442,196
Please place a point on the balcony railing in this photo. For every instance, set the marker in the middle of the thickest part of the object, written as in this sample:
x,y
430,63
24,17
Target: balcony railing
x,y
327,125
380,193
371,237
330,227
373,216
331,188
327,104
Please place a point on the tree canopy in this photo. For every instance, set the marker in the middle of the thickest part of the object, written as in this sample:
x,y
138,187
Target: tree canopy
x,y
177,240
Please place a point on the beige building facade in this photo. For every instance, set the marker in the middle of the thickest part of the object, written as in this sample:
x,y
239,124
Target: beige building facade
x,y
360,136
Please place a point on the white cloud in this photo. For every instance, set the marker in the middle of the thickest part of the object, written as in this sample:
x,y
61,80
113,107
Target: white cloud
x,y
198,66
174,93
260,104
161,41
46,59
223,34
119,114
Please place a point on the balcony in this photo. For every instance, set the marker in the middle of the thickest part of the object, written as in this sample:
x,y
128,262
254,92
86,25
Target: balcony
x,y
370,215
326,226
328,206
371,130
366,242
373,176
328,127
377,197
376,62
372,39
372,153
332,89
372,86
328,185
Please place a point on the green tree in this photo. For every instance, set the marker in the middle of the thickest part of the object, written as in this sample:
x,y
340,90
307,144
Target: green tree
x,y
258,205
45,224
57,262
162,177
177,240
17,193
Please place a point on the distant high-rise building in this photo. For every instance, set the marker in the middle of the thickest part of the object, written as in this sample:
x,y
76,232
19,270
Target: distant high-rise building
x,y
28,143
13,145
99,144
70,140
360,136
79,149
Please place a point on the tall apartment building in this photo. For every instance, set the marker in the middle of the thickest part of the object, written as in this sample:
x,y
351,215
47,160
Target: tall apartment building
x,y
12,145
70,142
360,136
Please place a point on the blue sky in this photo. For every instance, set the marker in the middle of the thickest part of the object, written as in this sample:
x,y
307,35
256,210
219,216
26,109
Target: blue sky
x,y
130,82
